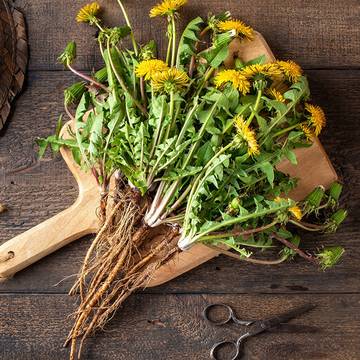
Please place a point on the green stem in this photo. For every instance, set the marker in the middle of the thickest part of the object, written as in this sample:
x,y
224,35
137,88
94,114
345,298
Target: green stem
x,y
293,247
237,233
201,134
88,78
307,226
231,123
158,160
187,121
158,127
178,202
122,83
154,217
171,115
290,107
249,259
200,179
240,219
136,51
285,130
173,219
173,25
168,52
209,73
255,109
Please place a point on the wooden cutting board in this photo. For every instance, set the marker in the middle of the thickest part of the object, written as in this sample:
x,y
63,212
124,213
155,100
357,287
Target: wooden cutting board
x,y
314,168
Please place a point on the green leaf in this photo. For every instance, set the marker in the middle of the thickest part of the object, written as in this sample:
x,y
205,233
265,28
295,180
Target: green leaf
x,y
290,155
268,170
96,132
219,51
186,47
258,60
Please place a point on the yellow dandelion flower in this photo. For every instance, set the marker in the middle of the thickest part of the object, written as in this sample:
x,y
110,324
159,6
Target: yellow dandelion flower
x,y
242,30
238,80
170,80
248,135
268,70
291,70
307,131
167,7
316,116
87,14
296,212
148,68
275,94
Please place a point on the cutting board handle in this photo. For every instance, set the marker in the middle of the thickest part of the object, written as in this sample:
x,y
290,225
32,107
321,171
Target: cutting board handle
x,y
49,236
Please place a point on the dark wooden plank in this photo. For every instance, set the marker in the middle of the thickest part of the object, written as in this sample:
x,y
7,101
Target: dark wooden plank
x,y
171,327
40,190
317,34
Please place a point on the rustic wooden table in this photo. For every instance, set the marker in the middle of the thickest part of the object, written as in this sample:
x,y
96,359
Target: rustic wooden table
x,y
165,322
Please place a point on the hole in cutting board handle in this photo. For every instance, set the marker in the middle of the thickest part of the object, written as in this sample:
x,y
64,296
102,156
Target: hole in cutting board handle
x,y
10,255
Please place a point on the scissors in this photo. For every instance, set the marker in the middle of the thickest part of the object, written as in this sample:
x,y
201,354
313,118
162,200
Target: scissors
x,y
255,326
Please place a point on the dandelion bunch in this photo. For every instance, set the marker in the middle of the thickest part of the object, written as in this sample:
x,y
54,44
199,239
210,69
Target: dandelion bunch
x,y
247,135
238,80
242,30
191,144
167,7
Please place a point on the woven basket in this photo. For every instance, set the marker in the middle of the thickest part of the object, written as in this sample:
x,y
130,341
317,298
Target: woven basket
x,y
13,56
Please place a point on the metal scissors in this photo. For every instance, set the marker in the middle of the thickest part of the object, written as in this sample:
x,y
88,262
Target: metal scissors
x,y
255,326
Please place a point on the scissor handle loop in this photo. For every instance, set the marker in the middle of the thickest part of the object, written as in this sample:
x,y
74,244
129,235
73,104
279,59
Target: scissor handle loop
x,y
230,314
217,346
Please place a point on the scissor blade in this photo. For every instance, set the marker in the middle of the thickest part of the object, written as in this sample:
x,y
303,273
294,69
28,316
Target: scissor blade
x,y
291,314
260,326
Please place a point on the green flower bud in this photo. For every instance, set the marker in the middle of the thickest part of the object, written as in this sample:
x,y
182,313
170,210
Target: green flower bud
x,y
328,257
313,200
118,33
73,93
235,204
335,220
339,216
148,51
101,75
69,54
238,64
335,191
260,82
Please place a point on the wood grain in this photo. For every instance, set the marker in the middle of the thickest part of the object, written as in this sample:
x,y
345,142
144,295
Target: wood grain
x,y
315,33
321,35
171,327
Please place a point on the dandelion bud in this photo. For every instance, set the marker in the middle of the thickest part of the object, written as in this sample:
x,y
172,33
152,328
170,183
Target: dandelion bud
x,y
68,56
335,220
313,200
328,257
335,191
